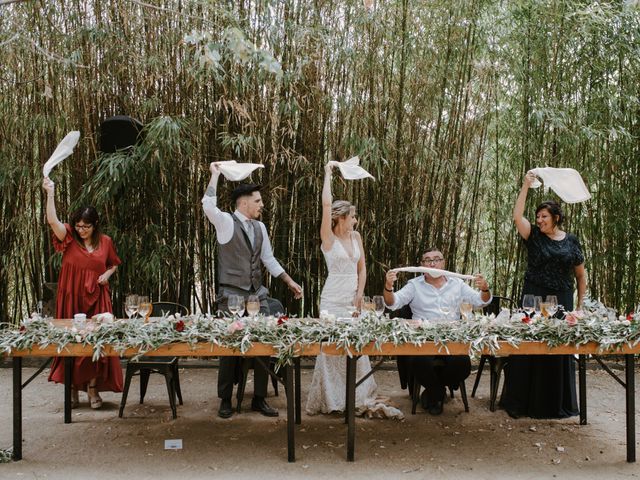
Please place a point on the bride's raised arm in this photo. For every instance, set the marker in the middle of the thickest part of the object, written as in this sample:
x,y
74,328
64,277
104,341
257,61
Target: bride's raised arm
x,y
326,233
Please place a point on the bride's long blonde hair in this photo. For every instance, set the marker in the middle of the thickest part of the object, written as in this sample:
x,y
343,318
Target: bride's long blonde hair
x,y
340,208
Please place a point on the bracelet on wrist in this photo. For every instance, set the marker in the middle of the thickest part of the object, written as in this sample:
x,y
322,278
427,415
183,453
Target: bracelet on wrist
x,y
486,291
388,290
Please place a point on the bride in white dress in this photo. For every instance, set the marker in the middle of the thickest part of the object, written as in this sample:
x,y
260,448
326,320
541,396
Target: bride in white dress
x,y
341,296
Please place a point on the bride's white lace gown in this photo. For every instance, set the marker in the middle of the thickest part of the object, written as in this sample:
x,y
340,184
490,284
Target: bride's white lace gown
x,y
327,391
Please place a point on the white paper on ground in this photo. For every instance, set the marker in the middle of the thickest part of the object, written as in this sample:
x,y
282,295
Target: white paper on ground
x,y
62,151
434,272
566,182
351,169
173,444
235,171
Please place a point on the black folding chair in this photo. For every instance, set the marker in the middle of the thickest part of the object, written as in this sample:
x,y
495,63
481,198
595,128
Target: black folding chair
x,y
166,366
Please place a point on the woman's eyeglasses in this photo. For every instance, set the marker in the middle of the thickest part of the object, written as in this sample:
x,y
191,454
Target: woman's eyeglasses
x,y
84,227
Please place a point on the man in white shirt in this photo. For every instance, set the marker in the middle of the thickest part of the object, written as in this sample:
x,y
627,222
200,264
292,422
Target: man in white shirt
x,y
243,249
436,299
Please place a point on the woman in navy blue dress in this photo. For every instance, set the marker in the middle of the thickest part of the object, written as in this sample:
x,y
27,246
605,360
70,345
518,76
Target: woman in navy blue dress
x,y
544,386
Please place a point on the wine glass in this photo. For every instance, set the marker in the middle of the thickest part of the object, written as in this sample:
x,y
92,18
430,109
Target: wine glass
x,y
253,305
445,308
528,304
537,305
367,304
234,304
144,307
465,310
378,305
131,305
552,305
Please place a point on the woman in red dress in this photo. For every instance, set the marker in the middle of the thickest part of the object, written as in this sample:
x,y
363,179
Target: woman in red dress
x,y
88,260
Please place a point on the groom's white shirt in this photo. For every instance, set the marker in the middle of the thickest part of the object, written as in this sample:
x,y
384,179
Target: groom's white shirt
x,y
425,299
223,222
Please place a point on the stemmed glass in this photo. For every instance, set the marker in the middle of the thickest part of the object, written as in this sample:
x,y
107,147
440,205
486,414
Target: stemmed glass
x,y
236,304
378,305
552,305
144,307
537,305
253,306
367,304
465,310
445,308
528,304
131,304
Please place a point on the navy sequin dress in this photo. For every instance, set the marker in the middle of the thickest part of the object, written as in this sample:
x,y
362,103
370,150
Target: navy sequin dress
x,y
544,386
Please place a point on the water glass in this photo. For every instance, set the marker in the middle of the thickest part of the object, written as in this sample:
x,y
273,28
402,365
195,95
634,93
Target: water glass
x,y
379,305
131,305
528,304
552,305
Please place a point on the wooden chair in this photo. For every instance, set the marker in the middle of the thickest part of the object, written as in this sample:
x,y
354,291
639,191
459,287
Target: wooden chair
x,y
166,366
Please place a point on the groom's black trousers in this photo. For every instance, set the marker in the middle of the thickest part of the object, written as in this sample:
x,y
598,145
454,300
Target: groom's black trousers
x,y
437,372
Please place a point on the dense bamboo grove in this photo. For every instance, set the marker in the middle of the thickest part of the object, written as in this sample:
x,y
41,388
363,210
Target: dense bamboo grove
x,y
447,103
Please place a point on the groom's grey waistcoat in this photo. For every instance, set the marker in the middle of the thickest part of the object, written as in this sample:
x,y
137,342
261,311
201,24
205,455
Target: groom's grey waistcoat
x,y
239,263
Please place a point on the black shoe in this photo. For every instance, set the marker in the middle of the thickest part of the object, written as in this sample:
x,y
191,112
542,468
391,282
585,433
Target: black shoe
x,y
258,404
435,409
225,410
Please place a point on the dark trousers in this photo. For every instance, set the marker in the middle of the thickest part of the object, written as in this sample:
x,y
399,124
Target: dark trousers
x,y
231,367
435,373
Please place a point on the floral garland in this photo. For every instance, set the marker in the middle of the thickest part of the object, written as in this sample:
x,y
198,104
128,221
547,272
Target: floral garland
x,y
594,324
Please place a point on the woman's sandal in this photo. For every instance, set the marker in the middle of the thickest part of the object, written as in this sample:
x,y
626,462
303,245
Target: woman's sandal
x,y
75,399
94,400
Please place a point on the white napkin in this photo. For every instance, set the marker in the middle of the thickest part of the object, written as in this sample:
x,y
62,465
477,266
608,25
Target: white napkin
x,y
235,171
351,169
62,151
566,182
434,272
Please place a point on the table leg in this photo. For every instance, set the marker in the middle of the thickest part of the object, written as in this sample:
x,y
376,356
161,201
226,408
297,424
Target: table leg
x,y
630,391
298,386
291,447
350,407
17,408
68,379
582,385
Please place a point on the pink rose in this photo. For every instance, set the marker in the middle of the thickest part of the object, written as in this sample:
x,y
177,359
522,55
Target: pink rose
x,y
235,326
571,319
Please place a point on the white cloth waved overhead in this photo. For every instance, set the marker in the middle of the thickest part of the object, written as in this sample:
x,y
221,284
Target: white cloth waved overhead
x,y
566,182
235,171
434,272
62,151
351,169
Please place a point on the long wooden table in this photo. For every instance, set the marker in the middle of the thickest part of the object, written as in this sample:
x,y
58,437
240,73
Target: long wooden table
x,y
293,391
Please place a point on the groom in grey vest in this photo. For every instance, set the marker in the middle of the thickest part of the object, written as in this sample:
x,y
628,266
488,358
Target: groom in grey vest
x,y
243,250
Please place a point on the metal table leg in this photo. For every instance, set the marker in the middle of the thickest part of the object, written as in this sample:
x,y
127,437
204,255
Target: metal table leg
x,y
630,391
68,379
582,385
350,407
296,364
291,446
17,408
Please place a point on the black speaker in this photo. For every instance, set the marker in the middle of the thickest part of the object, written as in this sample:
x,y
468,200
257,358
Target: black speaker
x,y
119,132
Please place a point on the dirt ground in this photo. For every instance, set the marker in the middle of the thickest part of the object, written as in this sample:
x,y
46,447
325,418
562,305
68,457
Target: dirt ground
x,y
456,445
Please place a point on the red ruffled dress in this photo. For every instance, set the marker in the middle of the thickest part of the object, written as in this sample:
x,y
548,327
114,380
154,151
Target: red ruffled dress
x,y
80,292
